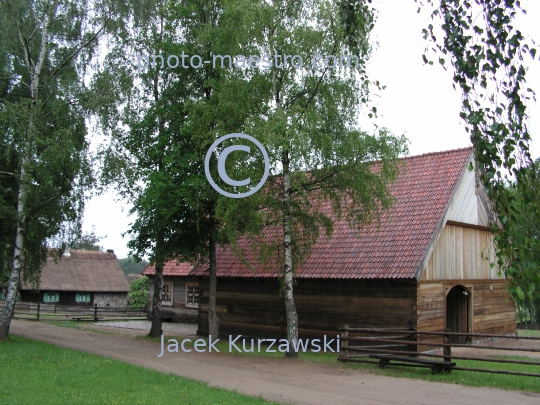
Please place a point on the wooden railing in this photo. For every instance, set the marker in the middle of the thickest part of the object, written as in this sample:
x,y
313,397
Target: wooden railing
x,y
54,312
373,342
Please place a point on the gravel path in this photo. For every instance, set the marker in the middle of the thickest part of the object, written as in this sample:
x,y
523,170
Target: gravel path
x,y
284,380
188,329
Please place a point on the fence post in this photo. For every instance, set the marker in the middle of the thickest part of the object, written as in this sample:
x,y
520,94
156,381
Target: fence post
x,y
95,313
344,342
38,306
413,337
447,350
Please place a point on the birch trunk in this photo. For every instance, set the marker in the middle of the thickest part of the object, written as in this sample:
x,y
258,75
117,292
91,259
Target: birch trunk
x,y
290,307
34,71
15,276
155,317
213,320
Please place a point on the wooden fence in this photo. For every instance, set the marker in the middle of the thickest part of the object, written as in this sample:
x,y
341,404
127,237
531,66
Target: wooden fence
x,y
399,347
39,311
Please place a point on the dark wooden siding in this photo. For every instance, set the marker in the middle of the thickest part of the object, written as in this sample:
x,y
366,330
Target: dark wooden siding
x,y
253,307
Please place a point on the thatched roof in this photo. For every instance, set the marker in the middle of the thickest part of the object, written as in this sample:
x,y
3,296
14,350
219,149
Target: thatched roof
x,y
83,271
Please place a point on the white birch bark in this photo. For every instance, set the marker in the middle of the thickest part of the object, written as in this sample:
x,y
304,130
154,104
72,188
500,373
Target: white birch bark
x,y
34,70
288,278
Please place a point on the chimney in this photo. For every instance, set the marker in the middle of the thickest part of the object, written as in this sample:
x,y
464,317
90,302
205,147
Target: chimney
x,y
110,251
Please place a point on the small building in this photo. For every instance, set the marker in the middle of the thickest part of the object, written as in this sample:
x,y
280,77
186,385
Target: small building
x,y
81,277
180,292
427,267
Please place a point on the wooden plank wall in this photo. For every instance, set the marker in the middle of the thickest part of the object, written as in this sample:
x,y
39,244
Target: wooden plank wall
x,y
457,255
430,311
494,311
253,307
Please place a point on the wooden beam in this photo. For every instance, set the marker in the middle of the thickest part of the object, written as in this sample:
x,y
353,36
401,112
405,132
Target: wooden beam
x,y
465,225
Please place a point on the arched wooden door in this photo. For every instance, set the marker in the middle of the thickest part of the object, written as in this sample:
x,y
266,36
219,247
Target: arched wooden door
x,y
457,312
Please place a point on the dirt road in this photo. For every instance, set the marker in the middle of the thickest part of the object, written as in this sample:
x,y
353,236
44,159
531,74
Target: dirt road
x,y
283,380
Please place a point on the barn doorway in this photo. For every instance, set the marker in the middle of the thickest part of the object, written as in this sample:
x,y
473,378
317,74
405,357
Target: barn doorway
x,y
457,312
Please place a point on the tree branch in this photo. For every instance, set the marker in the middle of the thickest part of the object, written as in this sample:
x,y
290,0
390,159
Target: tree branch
x,y
62,191
75,53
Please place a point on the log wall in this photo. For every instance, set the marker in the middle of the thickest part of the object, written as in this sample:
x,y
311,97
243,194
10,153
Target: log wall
x,y
252,307
491,309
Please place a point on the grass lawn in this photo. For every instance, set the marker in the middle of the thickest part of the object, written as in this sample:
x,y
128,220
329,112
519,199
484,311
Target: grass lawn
x,y
38,373
533,333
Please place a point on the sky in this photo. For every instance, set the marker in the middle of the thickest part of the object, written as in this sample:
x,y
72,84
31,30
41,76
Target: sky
x,y
419,101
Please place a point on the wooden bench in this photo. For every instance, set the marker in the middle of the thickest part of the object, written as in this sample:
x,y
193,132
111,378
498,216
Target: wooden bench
x,y
85,318
436,366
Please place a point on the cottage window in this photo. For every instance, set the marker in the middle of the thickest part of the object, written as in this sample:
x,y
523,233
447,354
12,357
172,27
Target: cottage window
x,y
82,298
51,297
192,295
1,294
167,294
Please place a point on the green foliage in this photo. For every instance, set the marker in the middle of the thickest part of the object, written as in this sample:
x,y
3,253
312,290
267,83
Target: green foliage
x,y
129,266
525,233
36,373
44,162
138,292
488,55
307,119
87,241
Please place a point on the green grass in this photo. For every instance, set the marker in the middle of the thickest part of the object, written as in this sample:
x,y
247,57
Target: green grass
x,y
533,333
38,373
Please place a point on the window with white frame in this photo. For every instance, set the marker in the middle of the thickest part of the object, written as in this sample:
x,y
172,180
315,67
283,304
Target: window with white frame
x,y
167,294
192,295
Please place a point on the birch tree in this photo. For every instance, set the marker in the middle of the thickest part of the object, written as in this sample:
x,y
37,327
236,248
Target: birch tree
x,y
44,173
308,120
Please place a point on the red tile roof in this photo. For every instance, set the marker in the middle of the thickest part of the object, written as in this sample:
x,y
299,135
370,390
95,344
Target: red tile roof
x,y
171,268
393,251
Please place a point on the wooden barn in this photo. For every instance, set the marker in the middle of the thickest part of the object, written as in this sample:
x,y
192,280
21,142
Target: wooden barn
x,y
423,268
81,277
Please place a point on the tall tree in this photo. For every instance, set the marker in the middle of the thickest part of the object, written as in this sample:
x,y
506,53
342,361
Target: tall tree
x,y
132,109
307,120
44,170
87,241
161,155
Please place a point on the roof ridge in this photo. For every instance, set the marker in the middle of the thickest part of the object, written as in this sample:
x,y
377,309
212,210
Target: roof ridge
x,y
438,152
